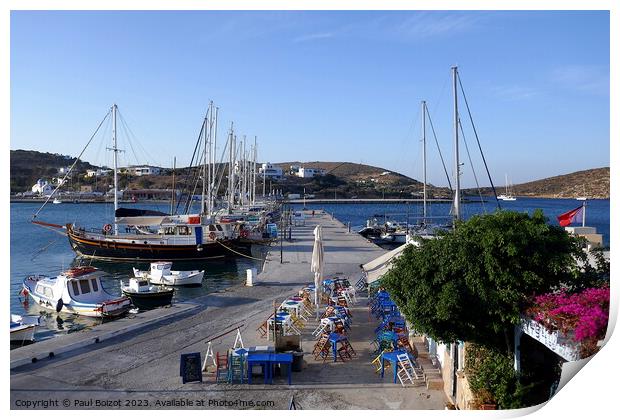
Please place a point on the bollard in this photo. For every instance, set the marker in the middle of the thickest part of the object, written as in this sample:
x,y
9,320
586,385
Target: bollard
x,y
250,276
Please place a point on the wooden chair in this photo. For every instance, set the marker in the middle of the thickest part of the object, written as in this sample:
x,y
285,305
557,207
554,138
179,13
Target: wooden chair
x,y
376,363
263,329
221,362
403,343
320,329
318,346
405,369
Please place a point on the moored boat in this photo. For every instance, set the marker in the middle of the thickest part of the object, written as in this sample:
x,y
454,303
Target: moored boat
x,y
161,273
146,296
23,328
78,291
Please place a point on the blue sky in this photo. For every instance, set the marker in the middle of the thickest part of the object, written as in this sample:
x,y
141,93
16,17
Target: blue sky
x,y
332,86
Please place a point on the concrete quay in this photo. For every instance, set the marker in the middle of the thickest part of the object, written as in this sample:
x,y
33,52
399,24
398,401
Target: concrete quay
x,y
135,362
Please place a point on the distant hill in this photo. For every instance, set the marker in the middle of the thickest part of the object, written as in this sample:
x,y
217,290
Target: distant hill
x,y
348,180
342,179
592,183
27,166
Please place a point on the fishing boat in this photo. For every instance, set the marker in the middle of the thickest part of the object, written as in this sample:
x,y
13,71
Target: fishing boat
x,y
23,328
77,291
146,296
161,273
146,235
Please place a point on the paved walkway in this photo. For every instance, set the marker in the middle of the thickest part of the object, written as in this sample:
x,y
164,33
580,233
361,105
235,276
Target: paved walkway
x,y
140,368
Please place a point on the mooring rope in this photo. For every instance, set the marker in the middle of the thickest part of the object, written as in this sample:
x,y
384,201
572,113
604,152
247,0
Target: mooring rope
x,y
243,255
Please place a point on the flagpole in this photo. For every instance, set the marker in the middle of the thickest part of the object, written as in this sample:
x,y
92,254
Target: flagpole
x,y
583,219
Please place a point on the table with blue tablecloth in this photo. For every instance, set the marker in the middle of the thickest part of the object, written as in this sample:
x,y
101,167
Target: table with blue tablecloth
x,y
334,339
268,361
392,357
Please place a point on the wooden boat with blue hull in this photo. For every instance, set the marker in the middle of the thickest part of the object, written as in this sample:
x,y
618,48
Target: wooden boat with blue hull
x,y
146,296
76,291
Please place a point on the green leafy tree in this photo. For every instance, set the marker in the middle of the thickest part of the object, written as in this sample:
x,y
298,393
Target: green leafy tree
x,y
472,283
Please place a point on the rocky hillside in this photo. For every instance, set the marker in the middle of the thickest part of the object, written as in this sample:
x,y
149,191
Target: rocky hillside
x,y
342,180
591,183
354,180
28,165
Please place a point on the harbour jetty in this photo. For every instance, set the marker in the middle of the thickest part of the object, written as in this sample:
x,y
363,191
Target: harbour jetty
x,y
134,362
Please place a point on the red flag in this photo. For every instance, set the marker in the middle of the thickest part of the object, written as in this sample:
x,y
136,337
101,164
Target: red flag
x,y
567,218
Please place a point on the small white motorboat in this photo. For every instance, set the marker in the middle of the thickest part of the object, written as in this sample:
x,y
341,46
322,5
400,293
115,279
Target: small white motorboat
x,y
77,291
144,295
161,273
23,328
56,201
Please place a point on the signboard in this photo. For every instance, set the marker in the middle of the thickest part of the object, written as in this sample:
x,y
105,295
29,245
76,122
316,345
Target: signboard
x,y
191,368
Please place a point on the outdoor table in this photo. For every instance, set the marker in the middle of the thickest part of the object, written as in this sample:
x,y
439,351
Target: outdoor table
x,y
262,359
286,322
253,350
329,321
296,306
267,361
334,339
383,295
281,359
393,358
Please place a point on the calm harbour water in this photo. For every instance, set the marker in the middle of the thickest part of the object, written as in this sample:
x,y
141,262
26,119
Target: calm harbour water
x,y
597,211
36,250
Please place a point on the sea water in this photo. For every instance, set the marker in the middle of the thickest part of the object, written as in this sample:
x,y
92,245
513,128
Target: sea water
x,y
37,250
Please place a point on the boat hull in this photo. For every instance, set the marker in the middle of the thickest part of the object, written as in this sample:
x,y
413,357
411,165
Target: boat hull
x,y
176,280
150,300
116,251
107,309
23,333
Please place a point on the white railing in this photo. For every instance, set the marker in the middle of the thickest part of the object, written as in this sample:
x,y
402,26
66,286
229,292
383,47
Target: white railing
x,y
561,344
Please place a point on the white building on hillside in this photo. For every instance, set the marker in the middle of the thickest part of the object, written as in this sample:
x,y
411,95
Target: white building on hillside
x,y
141,170
97,172
42,187
270,171
310,172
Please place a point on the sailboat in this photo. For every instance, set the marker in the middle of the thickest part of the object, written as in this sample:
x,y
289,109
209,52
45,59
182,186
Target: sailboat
x,y
507,196
151,235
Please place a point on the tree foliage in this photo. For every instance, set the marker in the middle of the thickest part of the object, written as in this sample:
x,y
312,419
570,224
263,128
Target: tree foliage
x,y
472,283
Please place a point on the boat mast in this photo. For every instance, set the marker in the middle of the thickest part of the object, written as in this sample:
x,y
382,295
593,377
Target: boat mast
x,y
174,167
254,175
213,178
115,149
424,156
457,192
204,166
244,180
264,179
231,183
